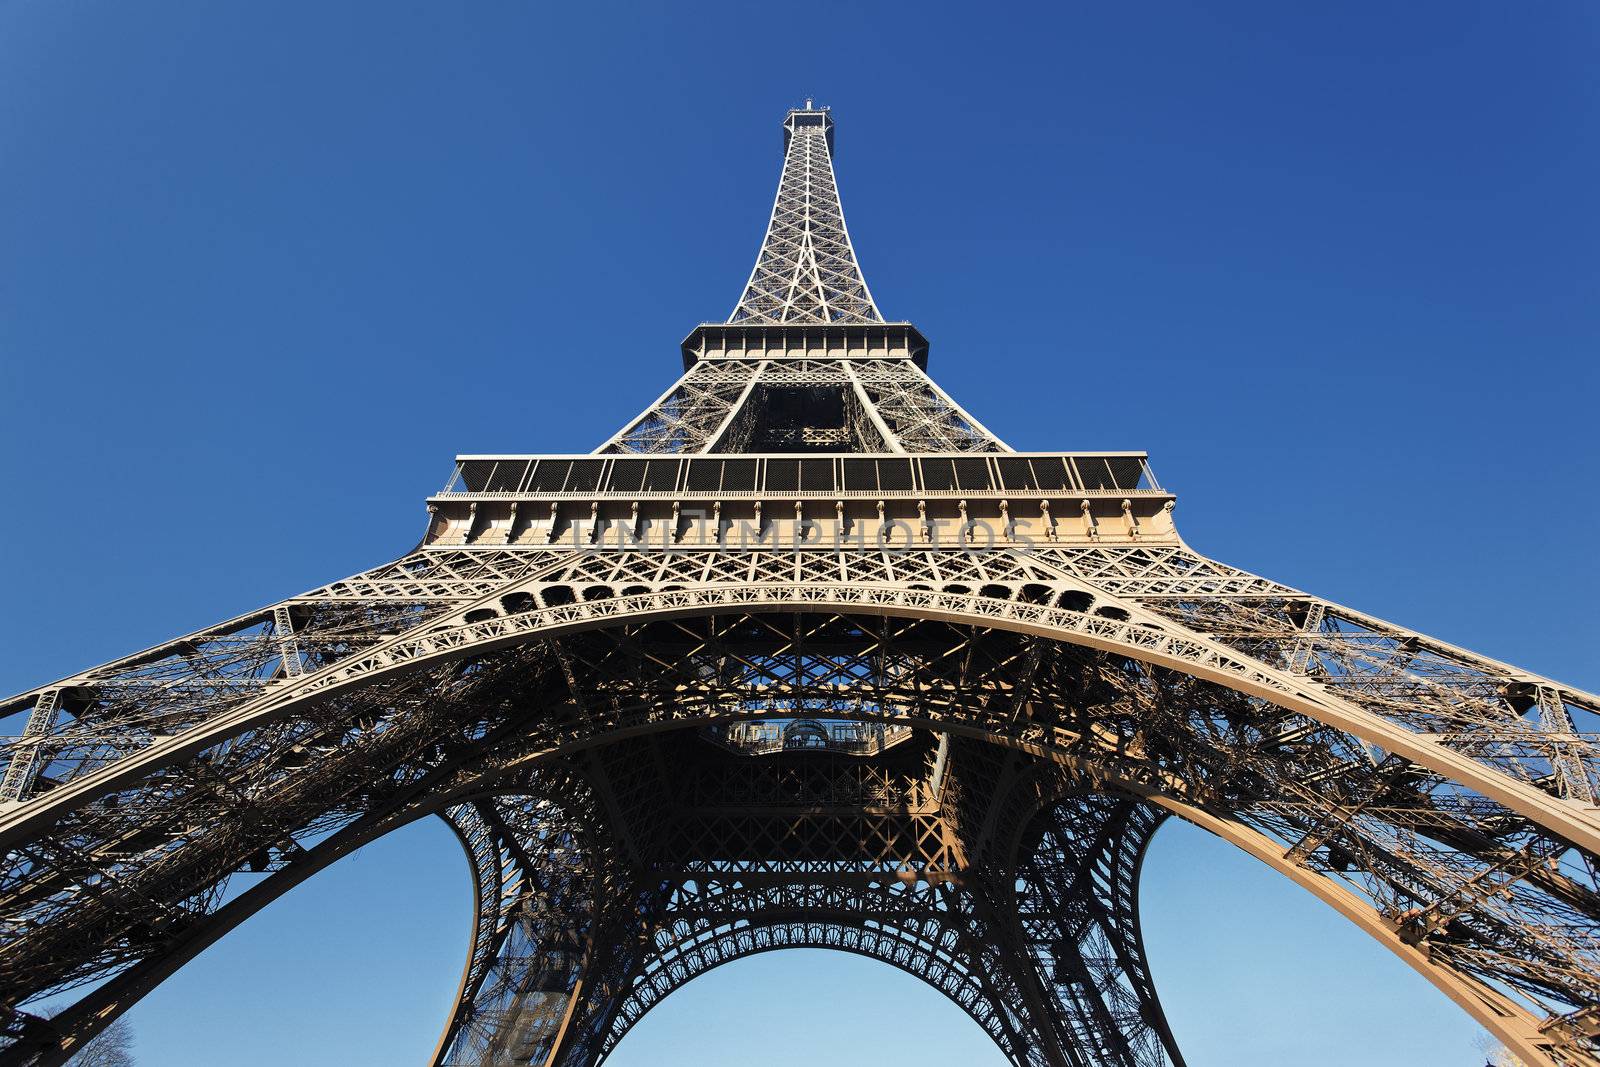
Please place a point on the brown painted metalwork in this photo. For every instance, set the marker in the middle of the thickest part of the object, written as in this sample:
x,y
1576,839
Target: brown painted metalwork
x,y
806,656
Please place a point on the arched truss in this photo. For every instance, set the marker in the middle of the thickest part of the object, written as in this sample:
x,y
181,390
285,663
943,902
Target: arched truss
x,y
538,867
1441,800
1053,972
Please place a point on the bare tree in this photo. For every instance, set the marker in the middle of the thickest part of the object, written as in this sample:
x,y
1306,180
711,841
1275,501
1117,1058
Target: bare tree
x,y
111,1047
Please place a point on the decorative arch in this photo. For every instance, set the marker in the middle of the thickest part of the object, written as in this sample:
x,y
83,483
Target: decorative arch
x,y
535,638
1081,979
1142,635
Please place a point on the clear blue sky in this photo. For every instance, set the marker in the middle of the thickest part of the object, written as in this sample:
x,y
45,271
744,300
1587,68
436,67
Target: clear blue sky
x,y
264,268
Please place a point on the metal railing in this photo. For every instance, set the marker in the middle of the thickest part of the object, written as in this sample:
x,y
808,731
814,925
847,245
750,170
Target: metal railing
x,y
926,474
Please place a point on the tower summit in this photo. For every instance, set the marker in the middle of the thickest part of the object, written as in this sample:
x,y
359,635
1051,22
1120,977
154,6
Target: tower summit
x,y
805,361
805,656
806,271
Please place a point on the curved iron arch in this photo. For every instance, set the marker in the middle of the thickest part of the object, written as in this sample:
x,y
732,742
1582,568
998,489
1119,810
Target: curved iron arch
x,y
1147,637
881,944
987,617
698,951
1511,1023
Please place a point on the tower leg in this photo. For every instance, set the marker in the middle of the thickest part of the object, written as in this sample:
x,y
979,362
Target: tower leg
x,y
537,874
1077,914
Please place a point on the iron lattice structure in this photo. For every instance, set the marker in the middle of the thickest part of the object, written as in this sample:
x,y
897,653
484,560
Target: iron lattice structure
x,y
805,656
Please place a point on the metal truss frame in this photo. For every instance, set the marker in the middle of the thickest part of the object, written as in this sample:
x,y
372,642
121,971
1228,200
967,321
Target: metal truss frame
x,y
806,270
897,408
1457,826
1054,974
551,697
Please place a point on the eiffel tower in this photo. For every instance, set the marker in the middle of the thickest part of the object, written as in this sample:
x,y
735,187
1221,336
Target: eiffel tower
x,y
805,656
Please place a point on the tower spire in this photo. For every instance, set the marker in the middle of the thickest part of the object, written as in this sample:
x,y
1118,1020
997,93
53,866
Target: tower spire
x,y
806,271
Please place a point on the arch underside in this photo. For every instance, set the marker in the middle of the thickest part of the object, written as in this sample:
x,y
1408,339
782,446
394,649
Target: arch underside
x,y
1442,792
1041,949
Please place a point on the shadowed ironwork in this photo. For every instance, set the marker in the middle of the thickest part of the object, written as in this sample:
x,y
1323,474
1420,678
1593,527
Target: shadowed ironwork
x,y
805,656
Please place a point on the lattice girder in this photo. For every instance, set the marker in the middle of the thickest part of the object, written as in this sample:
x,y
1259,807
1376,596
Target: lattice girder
x,y
891,405
1442,801
806,270
539,864
1012,582
693,414
917,928
921,916
950,686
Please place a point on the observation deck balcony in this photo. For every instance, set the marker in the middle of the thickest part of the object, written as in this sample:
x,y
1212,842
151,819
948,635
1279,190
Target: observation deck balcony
x,y
800,475
717,500
752,341
772,736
